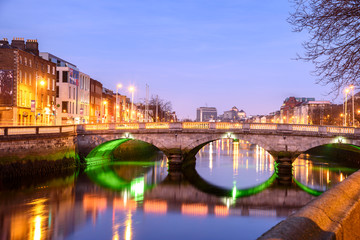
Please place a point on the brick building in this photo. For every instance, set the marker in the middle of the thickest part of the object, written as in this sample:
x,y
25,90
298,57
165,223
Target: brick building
x,y
27,84
95,101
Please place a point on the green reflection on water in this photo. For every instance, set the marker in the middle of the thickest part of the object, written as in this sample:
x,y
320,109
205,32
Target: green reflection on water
x,y
307,189
105,176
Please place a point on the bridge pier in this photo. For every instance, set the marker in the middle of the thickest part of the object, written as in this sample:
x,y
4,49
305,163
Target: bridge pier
x,y
175,161
283,165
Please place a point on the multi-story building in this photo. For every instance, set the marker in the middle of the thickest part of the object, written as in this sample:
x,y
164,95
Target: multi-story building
x,y
27,84
67,84
84,98
205,114
108,108
95,101
311,112
287,108
233,115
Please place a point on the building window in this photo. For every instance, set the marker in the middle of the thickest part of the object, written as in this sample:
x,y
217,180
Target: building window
x,y
25,75
25,62
57,76
57,91
53,70
48,84
64,107
69,92
48,68
70,107
48,100
30,79
30,64
20,60
53,100
65,76
74,93
20,76
53,85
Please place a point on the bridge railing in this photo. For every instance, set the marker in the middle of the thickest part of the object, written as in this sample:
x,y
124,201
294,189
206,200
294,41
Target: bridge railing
x,y
195,125
246,127
35,130
157,125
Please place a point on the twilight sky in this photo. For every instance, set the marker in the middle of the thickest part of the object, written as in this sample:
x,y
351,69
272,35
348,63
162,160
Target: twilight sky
x,y
219,53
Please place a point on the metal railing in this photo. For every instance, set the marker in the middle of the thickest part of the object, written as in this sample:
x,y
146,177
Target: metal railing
x,y
211,126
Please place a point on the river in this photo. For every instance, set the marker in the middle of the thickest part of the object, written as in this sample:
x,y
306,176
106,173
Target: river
x,y
232,192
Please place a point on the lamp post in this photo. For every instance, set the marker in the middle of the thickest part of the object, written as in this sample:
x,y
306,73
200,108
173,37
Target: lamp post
x,y
345,114
353,105
131,89
117,108
42,83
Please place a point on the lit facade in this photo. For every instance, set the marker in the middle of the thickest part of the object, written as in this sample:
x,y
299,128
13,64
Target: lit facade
x,y
27,84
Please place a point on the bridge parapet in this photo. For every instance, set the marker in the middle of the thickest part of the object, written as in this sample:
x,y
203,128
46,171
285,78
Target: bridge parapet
x,y
200,126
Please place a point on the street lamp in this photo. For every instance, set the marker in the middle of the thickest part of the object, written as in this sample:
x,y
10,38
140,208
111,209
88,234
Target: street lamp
x,y
131,89
42,83
345,114
117,108
353,105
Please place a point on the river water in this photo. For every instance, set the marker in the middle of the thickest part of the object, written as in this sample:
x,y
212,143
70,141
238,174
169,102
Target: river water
x,y
233,192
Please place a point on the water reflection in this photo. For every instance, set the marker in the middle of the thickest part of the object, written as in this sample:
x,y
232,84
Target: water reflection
x,y
232,190
239,165
318,174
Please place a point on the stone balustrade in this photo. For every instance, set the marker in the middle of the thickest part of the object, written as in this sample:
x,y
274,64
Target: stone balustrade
x,y
255,127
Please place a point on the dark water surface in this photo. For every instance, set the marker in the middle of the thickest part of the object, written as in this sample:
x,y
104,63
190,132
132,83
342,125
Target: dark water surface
x,y
232,193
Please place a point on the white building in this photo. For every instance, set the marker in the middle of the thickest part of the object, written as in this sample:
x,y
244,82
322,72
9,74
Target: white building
x,y
84,97
72,95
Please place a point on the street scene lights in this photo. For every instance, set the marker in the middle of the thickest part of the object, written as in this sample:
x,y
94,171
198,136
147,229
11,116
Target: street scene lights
x,y
345,108
42,83
131,89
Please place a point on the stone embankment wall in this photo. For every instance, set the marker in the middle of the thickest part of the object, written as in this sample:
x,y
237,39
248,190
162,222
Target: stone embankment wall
x,y
333,215
25,156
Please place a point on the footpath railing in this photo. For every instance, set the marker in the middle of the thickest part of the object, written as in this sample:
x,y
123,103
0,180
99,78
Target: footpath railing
x,y
201,126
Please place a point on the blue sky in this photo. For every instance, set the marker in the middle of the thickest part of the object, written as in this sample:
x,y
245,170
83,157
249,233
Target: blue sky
x,y
219,53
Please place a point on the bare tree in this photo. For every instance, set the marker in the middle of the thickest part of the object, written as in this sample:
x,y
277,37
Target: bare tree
x,y
334,43
164,109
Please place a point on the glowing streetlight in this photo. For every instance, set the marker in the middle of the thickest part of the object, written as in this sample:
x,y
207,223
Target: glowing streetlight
x,y
42,83
132,89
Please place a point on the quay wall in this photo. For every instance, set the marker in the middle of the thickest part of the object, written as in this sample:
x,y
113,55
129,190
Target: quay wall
x,y
37,155
333,215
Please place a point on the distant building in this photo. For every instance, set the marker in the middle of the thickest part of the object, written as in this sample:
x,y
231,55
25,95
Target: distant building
x,y
286,110
206,114
233,115
311,112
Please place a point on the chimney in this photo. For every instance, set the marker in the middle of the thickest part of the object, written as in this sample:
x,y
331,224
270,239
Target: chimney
x,y
18,43
4,41
32,46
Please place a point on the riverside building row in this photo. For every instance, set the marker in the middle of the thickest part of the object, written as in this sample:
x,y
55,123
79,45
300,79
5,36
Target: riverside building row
x,y
43,89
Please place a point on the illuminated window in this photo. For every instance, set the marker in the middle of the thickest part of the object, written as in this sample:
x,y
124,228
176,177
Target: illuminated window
x,y
53,85
48,83
30,79
25,75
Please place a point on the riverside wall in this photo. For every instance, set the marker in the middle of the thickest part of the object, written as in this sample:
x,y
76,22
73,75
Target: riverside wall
x,y
37,155
333,215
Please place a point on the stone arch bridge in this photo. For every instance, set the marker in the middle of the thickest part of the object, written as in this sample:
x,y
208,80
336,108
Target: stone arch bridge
x,y
181,141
